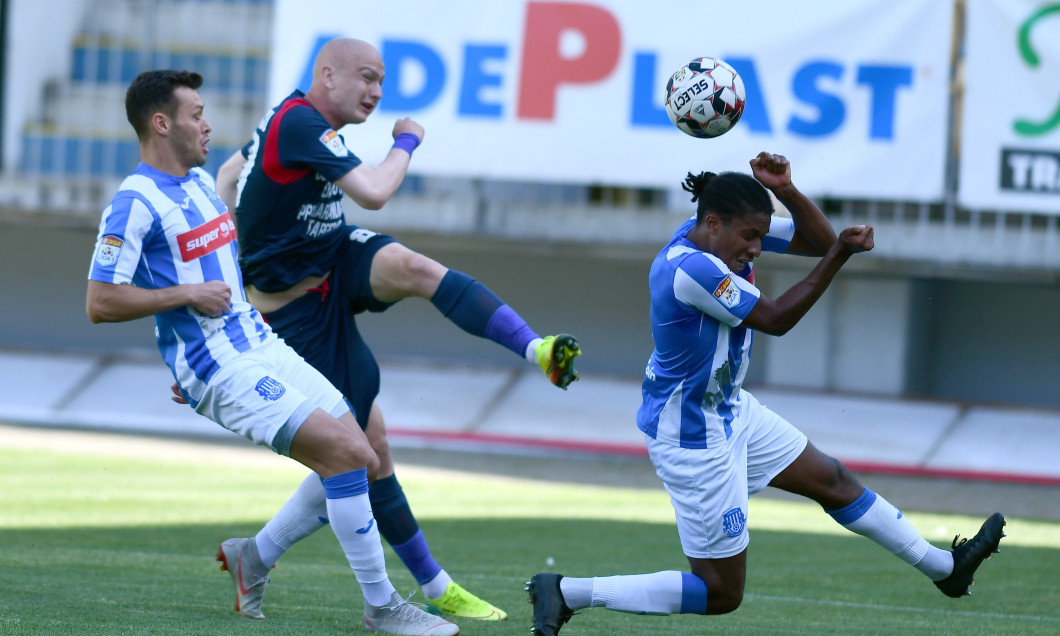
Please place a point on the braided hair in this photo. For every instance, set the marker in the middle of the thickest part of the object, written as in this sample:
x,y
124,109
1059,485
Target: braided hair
x,y
727,195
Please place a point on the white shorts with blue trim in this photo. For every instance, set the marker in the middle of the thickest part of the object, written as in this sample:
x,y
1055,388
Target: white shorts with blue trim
x,y
267,389
709,488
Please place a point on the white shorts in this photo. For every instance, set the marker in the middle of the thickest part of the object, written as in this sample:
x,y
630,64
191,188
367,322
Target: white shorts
x,y
709,488
267,389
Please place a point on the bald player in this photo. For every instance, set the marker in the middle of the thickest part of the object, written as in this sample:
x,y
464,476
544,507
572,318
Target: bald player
x,y
310,273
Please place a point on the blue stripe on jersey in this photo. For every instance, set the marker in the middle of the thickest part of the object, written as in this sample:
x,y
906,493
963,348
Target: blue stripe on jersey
x,y
156,268
187,328
691,388
147,215
211,270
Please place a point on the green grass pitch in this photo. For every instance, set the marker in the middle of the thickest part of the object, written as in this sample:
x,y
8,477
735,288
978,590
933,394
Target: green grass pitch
x,y
122,541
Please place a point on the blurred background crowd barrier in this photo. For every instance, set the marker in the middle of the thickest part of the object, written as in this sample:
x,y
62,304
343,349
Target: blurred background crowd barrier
x,y
550,170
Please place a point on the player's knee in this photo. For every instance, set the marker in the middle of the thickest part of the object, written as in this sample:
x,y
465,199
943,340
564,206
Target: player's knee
x,y
383,464
398,272
422,272
722,599
837,487
346,452
844,481
379,444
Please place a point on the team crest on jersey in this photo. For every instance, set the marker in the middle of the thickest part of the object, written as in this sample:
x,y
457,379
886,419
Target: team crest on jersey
x,y
270,389
728,293
733,521
109,249
333,142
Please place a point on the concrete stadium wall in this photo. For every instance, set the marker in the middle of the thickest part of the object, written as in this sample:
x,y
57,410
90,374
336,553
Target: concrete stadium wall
x,y
874,332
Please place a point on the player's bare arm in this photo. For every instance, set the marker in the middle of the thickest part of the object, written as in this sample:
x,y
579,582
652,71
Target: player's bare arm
x,y
371,187
108,302
813,233
228,179
777,317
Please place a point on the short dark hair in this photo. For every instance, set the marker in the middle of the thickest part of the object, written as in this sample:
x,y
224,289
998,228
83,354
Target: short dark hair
x,y
151,92
727,195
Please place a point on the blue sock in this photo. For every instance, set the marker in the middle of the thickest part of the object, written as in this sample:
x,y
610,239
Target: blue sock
x,y
693,594
398,526
396,521
855,509
346,485
416,556
478,311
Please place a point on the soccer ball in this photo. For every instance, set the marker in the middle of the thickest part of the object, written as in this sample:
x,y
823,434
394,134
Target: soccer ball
x,y
705,98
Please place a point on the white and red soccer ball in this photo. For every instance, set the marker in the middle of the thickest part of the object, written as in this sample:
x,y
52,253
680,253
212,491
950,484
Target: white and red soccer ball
x,y
705,98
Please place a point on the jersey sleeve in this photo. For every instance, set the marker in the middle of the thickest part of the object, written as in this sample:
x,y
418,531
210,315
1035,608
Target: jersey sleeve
x,y
305,140
781,231
705,283
122,232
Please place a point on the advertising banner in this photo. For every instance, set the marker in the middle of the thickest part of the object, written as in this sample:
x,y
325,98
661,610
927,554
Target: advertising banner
x,y
1010,131
855,94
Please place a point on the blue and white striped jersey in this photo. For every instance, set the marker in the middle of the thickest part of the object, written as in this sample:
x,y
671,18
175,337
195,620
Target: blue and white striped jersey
x,y
160,231
692,383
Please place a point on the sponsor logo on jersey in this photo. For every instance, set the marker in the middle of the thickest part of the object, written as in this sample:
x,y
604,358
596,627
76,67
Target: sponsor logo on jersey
x,y
362,235
108,250
733,522
270,389
728,293
208,237
333,142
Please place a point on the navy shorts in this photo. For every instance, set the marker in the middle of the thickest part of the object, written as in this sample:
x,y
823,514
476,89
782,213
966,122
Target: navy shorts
x,y
321,326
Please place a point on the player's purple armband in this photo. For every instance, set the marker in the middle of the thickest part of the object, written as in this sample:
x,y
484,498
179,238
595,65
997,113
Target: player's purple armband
x,y
407,142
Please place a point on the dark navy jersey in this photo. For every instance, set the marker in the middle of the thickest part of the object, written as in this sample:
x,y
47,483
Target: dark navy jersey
x,y
288,209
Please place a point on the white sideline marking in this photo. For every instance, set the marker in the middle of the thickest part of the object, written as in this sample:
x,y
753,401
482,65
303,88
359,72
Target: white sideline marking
x,y
903,608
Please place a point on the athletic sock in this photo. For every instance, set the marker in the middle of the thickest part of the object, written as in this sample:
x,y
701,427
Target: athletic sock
x,y
435,588
531,350
303,514
577,593
873,517
351,518
478,311
659,593
398,526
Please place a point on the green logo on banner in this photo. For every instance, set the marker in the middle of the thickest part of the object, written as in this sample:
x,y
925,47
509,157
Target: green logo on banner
x,y
1023,126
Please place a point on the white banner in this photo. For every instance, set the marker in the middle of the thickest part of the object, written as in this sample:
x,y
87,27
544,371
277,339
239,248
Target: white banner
x,y
1010,141
854,93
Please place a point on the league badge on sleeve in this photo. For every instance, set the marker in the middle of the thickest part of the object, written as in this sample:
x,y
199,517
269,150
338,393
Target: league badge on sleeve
x,y
108,250
333,142
728,293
